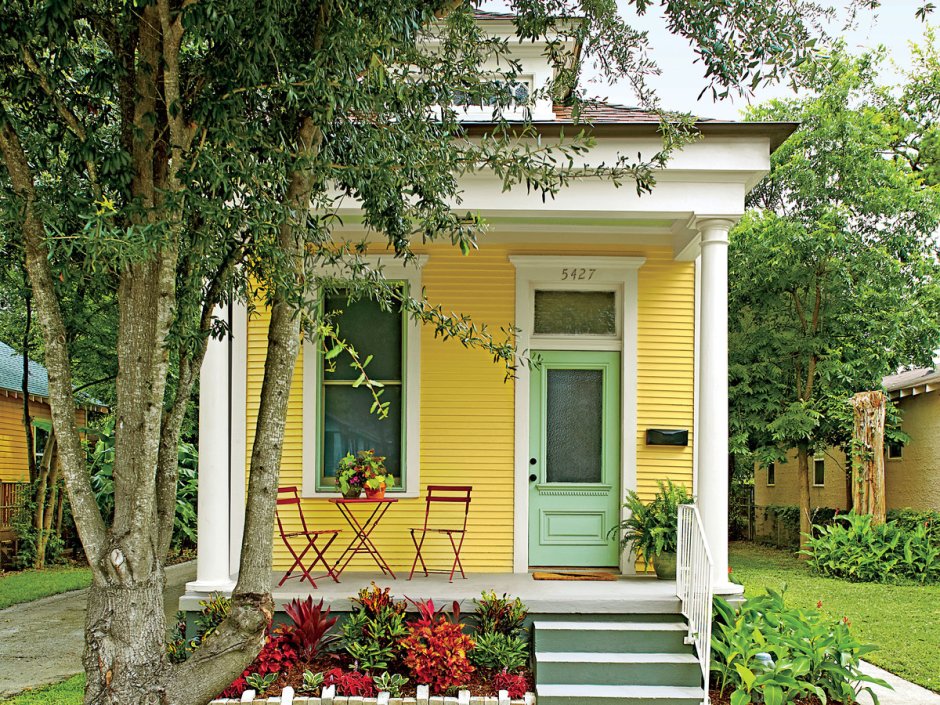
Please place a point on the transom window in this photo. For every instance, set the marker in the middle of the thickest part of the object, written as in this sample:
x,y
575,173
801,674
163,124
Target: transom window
x,y
895,451
570,312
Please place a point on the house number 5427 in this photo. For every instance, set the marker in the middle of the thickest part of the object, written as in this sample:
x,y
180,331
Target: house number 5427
x,y
577,274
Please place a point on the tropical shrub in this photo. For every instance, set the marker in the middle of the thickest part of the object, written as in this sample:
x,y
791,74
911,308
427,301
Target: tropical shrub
x,y
856,550
101,464
496,652
499,615
515,683
436,648
392,683
309,632
765,652
372,634
909,519
348,683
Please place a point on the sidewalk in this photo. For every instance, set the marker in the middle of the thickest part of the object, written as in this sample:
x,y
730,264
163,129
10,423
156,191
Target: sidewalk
x,y
904,693
41,642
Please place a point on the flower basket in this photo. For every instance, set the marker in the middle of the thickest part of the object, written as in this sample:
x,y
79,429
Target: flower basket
x,y
364,470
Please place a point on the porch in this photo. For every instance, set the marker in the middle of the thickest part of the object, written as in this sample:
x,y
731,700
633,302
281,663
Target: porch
x,y
633,595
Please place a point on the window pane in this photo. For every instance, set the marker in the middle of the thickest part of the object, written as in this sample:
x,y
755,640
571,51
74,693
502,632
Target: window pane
x,y
371,331
575,312
771,474
349,427
819,474
574,420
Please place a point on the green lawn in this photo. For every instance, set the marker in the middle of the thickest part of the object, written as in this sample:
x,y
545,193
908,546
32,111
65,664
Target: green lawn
x,y
68,692
902,620
29,585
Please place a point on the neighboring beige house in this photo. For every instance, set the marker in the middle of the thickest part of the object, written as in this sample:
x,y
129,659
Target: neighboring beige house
x,y
912,472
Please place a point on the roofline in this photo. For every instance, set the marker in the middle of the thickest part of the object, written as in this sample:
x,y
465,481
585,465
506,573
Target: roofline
x,y
18,393
776,132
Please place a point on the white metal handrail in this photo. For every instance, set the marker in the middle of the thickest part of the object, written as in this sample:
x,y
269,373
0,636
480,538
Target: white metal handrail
x,y
694,584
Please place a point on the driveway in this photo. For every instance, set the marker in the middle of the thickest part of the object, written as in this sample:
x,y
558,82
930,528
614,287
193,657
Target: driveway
x,y
41,642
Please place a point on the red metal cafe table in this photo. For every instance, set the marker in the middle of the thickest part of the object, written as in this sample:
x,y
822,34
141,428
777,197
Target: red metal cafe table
x,y
362,530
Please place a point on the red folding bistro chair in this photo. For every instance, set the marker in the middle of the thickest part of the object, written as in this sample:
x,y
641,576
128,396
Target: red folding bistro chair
x,y
439,494
289,496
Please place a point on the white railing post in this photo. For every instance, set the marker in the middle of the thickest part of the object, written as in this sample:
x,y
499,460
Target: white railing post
x,y
694,584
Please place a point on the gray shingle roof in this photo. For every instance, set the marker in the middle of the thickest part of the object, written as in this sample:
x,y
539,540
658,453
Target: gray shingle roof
x,y
911,378
11,373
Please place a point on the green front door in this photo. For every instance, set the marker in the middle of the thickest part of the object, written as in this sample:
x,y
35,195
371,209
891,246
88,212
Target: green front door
x,y
574,459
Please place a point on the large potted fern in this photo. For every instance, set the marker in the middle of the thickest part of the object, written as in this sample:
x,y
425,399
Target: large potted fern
x,y
652,529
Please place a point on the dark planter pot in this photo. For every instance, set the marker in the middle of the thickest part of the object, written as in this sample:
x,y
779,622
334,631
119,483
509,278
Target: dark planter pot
x,y
665,566
353,493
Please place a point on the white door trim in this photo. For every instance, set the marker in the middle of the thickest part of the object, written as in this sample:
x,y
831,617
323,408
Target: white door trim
x,y
617,274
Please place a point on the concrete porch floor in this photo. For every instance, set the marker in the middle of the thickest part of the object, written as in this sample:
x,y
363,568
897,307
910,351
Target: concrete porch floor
x,y
626,595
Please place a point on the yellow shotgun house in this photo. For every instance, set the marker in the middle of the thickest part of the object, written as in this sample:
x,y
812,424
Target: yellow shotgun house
x,y
623,298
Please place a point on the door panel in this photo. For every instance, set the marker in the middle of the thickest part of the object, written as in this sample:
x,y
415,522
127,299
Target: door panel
x,y
574,437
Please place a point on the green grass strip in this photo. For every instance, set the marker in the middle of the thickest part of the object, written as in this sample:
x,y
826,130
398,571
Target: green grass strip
x,y
903,621
29,585
68,692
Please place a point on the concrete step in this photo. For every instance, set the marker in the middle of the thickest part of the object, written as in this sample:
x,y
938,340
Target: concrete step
x,y
615,637
569,694
670,613
587,668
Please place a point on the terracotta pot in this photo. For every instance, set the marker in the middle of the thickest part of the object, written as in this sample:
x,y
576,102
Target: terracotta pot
x,y
375,494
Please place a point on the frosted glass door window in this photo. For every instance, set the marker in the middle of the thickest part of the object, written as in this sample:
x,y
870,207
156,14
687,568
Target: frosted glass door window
x,y
575,313
574,425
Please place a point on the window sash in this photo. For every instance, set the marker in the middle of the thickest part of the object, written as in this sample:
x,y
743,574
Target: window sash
x,y
326,483
819,472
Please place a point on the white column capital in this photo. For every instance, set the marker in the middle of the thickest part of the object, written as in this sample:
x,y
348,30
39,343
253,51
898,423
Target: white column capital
x,y
714,228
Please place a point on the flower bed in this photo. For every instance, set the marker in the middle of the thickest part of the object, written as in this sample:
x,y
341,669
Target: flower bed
x,y
381,651
423,698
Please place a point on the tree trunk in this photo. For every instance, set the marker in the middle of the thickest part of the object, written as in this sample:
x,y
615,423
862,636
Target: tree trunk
x,y
45,486
125,651
27,418
806,517
868,455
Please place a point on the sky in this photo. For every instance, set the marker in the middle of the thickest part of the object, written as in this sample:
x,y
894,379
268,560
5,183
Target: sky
x,y
893,25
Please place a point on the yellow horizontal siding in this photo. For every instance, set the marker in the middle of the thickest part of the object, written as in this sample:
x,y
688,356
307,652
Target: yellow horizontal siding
x,y
467,415
13,459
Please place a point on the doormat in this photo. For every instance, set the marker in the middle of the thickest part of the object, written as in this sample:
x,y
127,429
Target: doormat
x,y
573,576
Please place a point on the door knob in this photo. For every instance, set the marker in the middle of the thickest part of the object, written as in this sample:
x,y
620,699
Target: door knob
x,y
533,477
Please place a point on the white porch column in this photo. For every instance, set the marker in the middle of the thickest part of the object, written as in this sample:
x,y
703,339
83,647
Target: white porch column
x,y
712,436
212,550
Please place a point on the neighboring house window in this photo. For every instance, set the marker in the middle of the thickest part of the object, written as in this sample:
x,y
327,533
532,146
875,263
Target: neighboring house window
x,y
771,475
819,471
337,417
895,451
40,439
348,422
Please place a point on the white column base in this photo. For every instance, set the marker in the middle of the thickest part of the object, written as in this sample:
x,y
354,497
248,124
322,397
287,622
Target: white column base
x,y
727,589
210,586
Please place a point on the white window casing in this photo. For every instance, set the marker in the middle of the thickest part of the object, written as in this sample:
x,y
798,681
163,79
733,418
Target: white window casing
x,y
396,270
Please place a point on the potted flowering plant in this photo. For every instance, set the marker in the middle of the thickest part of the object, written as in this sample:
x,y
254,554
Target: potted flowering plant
x,y
364,470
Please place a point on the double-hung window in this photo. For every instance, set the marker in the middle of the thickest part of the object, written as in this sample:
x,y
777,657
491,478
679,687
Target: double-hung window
x,y
338,417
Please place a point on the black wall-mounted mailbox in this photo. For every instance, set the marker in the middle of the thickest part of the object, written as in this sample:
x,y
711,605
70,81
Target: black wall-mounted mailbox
x,y
667,437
